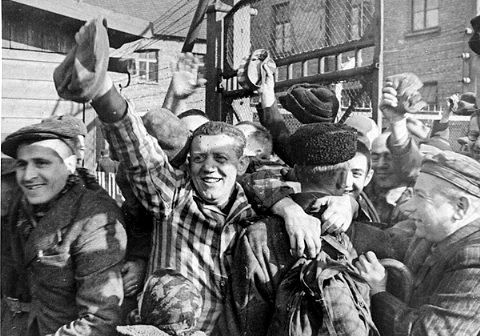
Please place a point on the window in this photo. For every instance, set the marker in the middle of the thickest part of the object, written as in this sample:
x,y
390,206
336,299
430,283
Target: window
x,y
424,14
283,28
146,67
429,93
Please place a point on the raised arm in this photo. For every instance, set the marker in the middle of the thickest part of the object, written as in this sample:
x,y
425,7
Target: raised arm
x,y
271,118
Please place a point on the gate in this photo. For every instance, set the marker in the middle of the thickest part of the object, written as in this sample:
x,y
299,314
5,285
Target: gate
x,y
336,43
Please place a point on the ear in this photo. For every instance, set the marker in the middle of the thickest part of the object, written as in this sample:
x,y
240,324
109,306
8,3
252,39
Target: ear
x,y
461,208
71,163
368,178
243,163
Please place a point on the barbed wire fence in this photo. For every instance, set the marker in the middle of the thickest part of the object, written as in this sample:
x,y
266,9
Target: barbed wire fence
x,y
315,41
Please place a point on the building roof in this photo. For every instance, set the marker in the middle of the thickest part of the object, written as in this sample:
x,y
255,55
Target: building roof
x,y
82,11
169,17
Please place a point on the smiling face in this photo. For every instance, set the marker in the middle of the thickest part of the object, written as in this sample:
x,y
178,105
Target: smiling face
x,y
214,165
382,164
41,173
361,174
432,211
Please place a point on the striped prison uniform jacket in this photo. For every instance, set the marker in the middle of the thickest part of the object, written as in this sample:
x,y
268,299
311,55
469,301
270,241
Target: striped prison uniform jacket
x,y
189,235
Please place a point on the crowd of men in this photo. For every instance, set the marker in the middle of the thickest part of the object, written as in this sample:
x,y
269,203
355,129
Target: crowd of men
x,y
246,229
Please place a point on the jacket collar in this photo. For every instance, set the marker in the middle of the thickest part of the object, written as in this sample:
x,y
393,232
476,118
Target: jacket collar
x,y
48,228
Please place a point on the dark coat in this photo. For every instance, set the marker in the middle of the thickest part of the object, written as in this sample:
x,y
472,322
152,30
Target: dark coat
x,y
446,294
69,265
260,261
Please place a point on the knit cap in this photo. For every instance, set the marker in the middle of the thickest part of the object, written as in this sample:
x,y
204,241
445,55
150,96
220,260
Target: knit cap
x,y
310,103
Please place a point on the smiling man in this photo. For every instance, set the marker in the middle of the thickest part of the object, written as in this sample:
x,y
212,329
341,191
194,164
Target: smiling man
x,y
445,296
66,242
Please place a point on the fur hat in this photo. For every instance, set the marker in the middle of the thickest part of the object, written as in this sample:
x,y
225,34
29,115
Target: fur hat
x,y
323,144
311,103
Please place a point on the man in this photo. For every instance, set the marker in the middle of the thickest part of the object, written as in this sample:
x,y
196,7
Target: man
x,y
323,103
197,207
263,255
105,163
445,297
66,243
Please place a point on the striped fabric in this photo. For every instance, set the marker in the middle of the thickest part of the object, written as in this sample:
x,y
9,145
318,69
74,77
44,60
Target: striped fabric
x,y
189,235
446,292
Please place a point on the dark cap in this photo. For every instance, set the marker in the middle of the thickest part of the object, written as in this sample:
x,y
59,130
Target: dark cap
x,y
48,129
457,169
467,104
311,103
323,144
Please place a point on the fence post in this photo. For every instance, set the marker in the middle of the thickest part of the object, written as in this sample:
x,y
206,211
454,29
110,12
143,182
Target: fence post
x,y
377,78
214,59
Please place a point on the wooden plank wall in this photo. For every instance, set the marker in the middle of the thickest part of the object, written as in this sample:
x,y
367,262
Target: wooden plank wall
x,y
28,91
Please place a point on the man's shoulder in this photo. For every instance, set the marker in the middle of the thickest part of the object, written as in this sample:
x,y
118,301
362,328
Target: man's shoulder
x,y
97,201
466,253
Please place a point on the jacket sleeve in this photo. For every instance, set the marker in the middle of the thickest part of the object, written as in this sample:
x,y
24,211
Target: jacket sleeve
x,y
98,254
453,308
407,159
154,181
271,118
265,188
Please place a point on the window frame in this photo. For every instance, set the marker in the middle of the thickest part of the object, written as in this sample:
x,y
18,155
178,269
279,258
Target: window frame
x,y
282,22
424,11
147,58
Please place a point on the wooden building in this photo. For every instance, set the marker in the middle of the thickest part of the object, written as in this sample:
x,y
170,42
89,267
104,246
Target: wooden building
x,y
36,35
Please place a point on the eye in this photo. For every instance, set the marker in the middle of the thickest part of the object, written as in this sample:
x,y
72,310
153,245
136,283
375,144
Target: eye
x,y
198,158
221,158
20,165
42,163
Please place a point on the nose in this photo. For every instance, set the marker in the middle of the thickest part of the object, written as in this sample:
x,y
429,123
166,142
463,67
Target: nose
x,y
349,181
382,162
208,165
29,172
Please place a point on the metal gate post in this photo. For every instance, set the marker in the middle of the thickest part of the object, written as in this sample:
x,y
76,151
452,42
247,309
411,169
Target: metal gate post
x,y
377,78
214,59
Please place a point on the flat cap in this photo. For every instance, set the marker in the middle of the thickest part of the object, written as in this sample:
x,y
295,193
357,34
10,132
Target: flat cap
x,y
323,144
457,169
172,135
311,103
367,129
48,129
70,121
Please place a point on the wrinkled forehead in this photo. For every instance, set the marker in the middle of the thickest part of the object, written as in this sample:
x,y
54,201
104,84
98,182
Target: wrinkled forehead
x,y
220,143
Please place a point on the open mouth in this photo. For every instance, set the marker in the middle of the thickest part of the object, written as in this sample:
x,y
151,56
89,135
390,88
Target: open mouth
x,y
33,186
211,180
